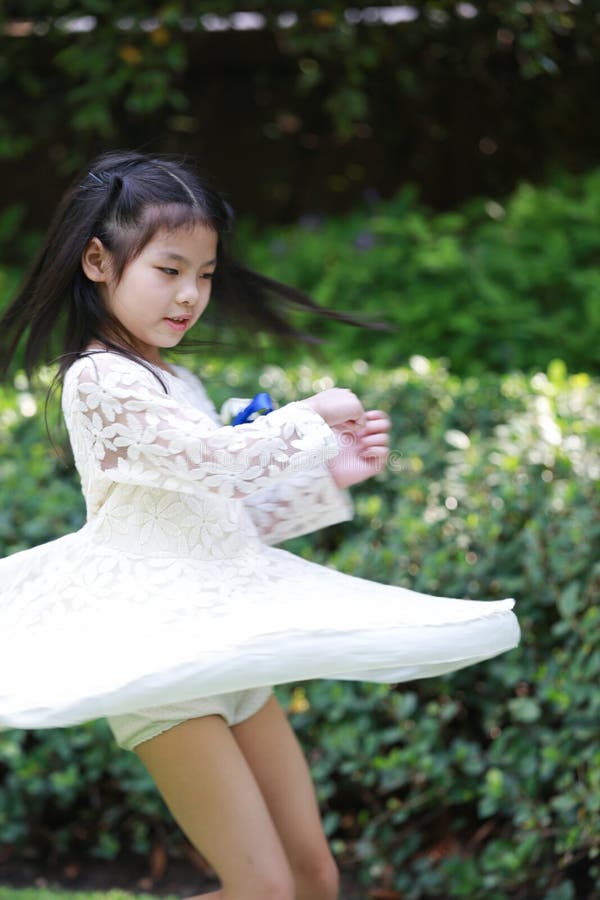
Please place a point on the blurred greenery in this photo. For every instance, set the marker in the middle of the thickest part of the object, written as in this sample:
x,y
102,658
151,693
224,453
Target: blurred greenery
x,y
480,784
102,63
491,286
329,104
485,784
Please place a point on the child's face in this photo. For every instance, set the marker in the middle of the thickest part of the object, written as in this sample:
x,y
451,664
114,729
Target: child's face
x,y
163,292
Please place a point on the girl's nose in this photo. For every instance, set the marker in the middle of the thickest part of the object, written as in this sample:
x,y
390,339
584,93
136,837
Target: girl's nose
x,y
188,296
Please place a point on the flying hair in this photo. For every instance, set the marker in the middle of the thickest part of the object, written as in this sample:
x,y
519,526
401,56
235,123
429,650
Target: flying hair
x,y
124,198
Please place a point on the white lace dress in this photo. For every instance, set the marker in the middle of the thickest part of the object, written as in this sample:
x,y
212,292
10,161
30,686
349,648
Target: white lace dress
x,y
171,590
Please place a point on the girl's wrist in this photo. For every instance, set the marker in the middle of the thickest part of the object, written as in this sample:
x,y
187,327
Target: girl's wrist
x,y
312,408
306,404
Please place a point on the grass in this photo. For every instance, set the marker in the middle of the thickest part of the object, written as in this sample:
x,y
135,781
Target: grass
x,y
47,894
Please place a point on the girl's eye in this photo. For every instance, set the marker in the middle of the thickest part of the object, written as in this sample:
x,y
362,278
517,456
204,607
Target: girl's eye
x,y
207,275
168,271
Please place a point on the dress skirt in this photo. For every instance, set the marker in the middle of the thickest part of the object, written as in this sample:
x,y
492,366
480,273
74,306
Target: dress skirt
x,y
173,591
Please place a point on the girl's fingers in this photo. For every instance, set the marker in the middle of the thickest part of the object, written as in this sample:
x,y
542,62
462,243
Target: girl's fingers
x,y
380,455
355,426
369,439
381,447
377,414
376,421
373,440
372,422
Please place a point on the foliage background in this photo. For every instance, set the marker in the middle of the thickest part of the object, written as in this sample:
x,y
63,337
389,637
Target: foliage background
x,y
438,174
483,783
330,105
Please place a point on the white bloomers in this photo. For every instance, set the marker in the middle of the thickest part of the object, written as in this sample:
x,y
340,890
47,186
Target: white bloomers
x,y
134,728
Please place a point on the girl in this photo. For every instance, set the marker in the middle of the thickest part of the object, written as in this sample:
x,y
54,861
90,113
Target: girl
x,y
169,612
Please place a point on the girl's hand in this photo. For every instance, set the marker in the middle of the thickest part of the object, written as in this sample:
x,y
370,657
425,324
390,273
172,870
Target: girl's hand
x,y
338,407
363,451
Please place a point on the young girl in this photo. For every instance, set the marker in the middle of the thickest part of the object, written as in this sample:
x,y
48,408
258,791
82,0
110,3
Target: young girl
x,y
169,612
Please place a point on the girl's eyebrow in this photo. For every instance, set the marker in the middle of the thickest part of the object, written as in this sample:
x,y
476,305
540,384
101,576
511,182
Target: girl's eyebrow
x,y
170,254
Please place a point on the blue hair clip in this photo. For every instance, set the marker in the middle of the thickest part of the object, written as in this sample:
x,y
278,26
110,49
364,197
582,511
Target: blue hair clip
x,y
237,412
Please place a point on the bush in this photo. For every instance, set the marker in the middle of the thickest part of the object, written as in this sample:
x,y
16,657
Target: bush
x,y
481,784
491,286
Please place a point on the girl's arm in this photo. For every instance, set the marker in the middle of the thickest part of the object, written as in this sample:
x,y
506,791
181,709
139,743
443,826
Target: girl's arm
x,y
118,412
299,505
315,499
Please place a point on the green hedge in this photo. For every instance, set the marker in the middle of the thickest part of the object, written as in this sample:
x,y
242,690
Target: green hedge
x,y
498,286
484,784
492,286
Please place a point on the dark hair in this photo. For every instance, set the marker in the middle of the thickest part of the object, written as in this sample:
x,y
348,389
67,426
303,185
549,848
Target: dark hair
x,y
124,198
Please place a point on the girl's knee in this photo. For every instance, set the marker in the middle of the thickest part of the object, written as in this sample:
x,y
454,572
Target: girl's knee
x,y
326,884
273,884
318,877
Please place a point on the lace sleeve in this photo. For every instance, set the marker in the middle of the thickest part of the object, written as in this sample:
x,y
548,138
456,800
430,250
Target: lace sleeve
x,y
137,434
303,503
300,504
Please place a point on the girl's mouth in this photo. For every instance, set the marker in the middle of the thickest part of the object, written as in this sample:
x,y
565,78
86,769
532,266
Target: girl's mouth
x,y
178,323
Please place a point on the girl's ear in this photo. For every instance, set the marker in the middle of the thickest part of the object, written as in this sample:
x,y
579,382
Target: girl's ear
x,y
95,261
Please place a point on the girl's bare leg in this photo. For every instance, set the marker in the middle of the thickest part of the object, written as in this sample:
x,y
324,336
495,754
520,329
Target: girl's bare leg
x,y
278,764
209,787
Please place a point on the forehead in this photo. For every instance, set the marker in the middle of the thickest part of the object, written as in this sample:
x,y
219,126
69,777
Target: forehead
x,y
196,239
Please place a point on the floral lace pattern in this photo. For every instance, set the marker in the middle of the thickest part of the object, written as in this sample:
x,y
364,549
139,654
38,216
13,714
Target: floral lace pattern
x,y
140,435
171,580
